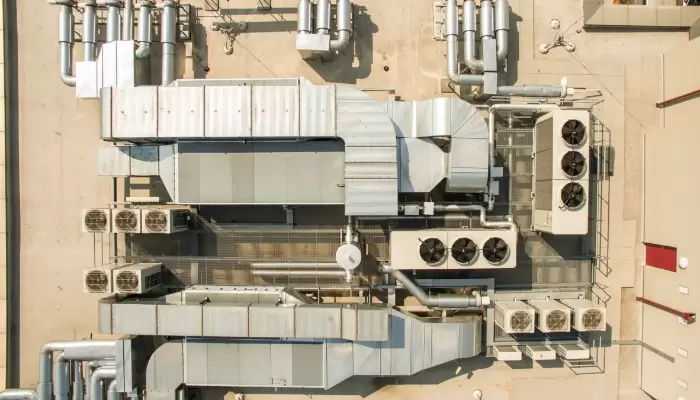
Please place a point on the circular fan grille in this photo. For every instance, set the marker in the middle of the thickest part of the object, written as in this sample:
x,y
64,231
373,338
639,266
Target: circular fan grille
x,y
156,221
96,281
592,319
464,251
496,250
573,132
573,195
126,220
432,251
95,221
521,321
556,320
573,164
127,281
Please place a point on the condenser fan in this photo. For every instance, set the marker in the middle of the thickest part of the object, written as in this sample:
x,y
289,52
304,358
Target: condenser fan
x,y
591,319
464,251
432,251
126,220
156,221
556,320
573,163
520,321
495,250
96,221
96,281
573,195
573,132
127,281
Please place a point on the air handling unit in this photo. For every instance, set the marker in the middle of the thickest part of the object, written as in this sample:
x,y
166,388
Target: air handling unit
x,y
587,316
515,317
560,200
164,220
96,220
137,278
551,316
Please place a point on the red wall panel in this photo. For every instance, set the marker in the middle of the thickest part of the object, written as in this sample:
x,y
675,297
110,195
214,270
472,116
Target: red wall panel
x,y
663,257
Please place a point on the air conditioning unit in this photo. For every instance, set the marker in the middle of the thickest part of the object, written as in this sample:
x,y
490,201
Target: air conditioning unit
x,y
96,220
515,317
137,278
126,220
99,279
587,316
164,220
551,316
419,249
482,248
561,172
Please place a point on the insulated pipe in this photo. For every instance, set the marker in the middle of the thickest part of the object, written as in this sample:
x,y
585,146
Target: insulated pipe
x,y
482,215
65,41
168,25
343,11
502,22
486,19
128,31
516,107
18,394
533,91
451,33
323,17
89,30
145,28
438,300
78,391
112,393
293,265
298,273
113,23
96,379
60,378
91,366
469,30
304,17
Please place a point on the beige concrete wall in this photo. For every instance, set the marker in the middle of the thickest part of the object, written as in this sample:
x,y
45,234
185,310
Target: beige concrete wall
x,y
3,198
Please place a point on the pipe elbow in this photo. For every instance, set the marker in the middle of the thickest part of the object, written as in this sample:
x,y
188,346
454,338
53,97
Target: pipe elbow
x,y
68,80
474,64
143,50
342,41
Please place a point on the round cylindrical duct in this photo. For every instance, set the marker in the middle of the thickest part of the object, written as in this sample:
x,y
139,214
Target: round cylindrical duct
x,y
89,30
486,19
128,32
299,273
168,26
323,17
113,23
304,17
60,378
294,265
145,28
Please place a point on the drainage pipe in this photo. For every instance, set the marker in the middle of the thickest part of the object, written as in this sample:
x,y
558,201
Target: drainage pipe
x,y
60,378
89,30
66,24
96,380
323,17
343,11
168,25
78,391
18,394
439,300
112,393
293,265
508,224
145,28
128,31
515,107
469,30
297,273
451,33
502,22
304,17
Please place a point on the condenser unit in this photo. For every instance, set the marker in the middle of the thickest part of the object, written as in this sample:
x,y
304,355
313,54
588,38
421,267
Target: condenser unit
x,y
96,220
419,249
482,248
164,220
561,172
515,317
99,279
551,316
587,316
126,220
137,278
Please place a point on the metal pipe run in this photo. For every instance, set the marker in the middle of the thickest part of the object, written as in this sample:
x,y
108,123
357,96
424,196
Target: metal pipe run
x,y
66,24
168,26
60,378
508,224
502,22
112,393
78,391
294,265
469,31
486,19
89,30
343,12
304,17
128,31
145,29
438,300
323,17
297,273
532,91
96,379
451,32
516,107
113,22
89,368
18,394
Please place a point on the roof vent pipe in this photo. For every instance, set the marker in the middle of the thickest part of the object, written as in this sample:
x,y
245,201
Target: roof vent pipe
x,y
343,11
89,30
323,17
66,24
128,32
469,30
304,17
168,24
502,21
145,28
451,33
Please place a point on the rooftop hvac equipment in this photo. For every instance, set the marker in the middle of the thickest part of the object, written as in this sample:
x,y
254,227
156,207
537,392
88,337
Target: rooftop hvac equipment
x,y
482,248
164,220
419,249
96,220
587,316
137,278
507,353
551,316
126,220
573,352
515,317
540,352
560,201
99,279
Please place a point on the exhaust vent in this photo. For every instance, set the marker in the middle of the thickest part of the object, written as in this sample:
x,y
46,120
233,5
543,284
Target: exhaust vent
x,y
496,250
556,321
156,221
573,164
165,220
573,132
587,316
573,195
432,251
521,321
96,220
97,281
464,251
552,316
126,220
515,317
138,278
592,320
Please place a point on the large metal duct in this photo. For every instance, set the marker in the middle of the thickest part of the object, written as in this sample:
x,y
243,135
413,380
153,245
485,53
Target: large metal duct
x,y
343,13
502,22
486,19
89,30
168,25
304,17
66,24
451,33
145,29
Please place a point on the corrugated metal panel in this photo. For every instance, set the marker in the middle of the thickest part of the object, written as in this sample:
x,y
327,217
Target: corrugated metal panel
x,y
317,115
271,321
135,112
113,161
228,111
144,160
275,111
179,320
180,112
225,320
371,197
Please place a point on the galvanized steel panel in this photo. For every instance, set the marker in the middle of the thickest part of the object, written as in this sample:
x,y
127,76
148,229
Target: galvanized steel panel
x,y
228,111
197,367
165,370
349,323
318,321
106,113
254,359
281,368
134,319
113,161
224,364
445,343
275,111
371,197
372,324
180,320
308,365
125,64
370,154
271,321
86,80
339,362
107,65
469,339
135,112
144,160
104,314
167,169
422,165
367,358
225,320
317,115
399,344
417,346
180,112
370,170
